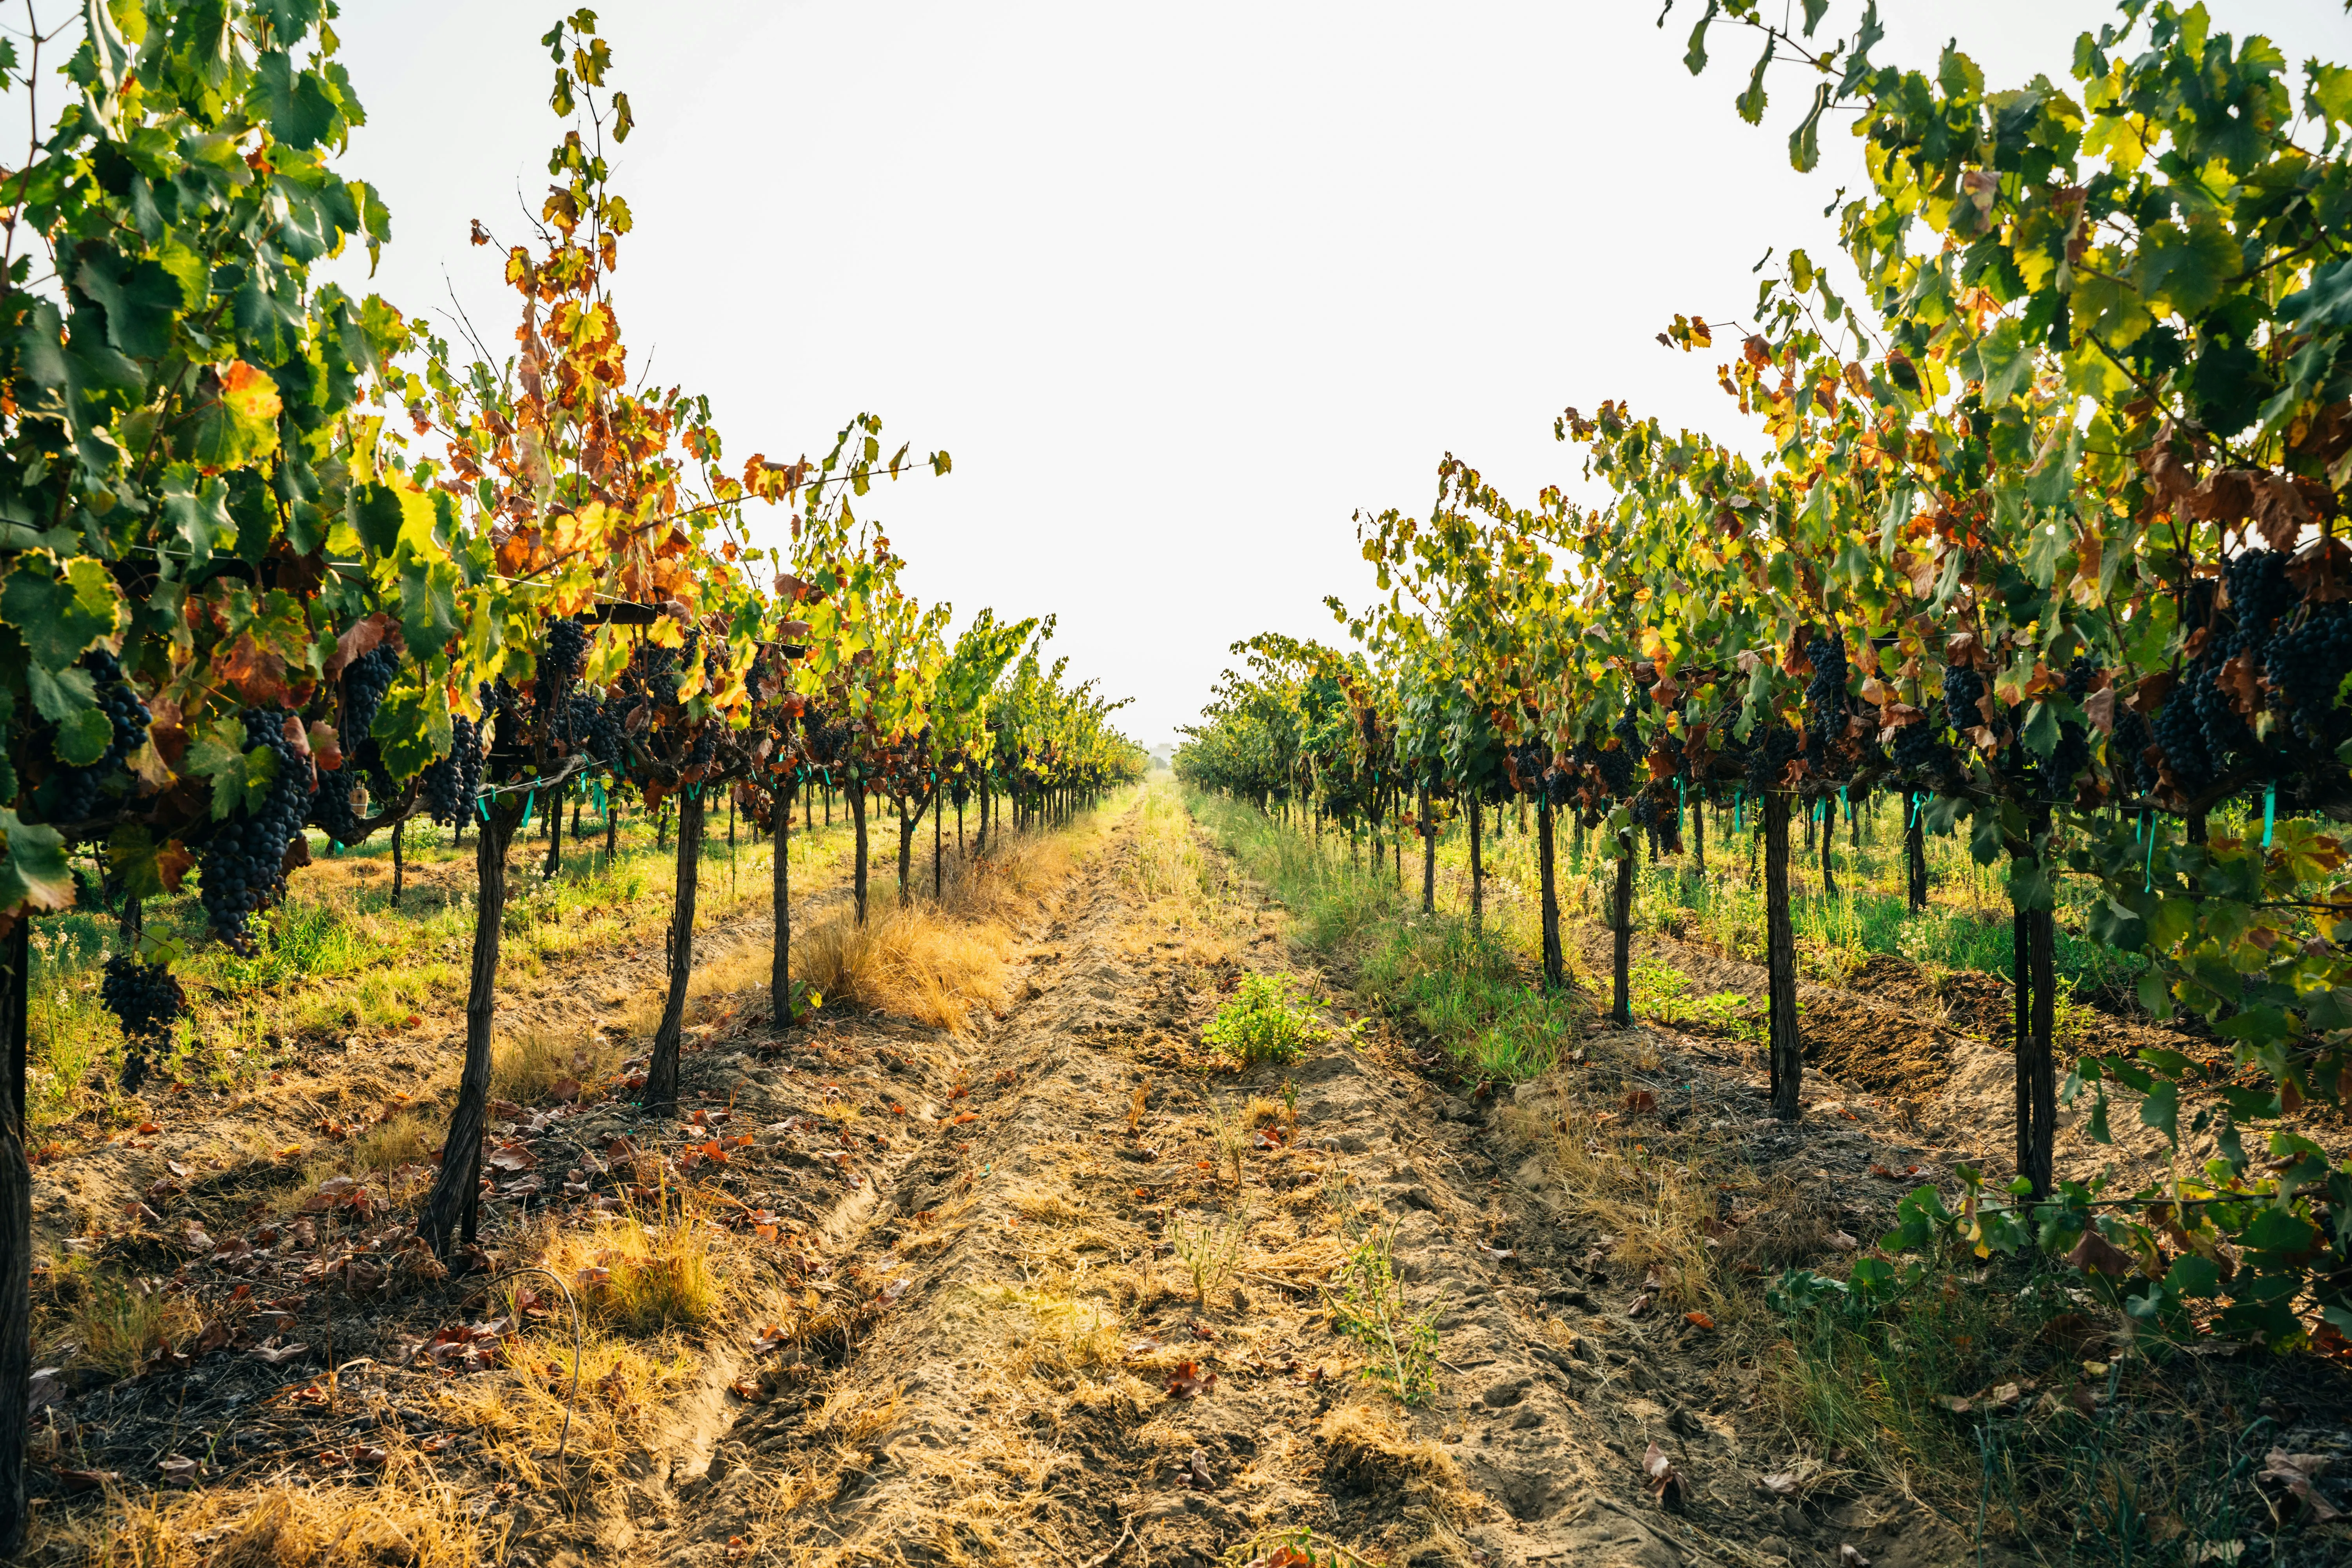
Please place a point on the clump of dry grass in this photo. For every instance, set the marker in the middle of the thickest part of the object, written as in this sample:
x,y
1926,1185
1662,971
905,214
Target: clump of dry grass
x,y
119,1322
1366,1451
1661,1211
407,1139
936,961
642,1273
415,1524
621,1389
525,1068
911,959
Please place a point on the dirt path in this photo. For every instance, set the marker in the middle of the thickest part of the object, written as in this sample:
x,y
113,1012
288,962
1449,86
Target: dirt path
x,y
1047,1379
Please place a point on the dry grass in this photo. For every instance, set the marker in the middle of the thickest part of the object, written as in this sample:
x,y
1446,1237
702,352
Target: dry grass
x,y
416,1523
1366,1450
1178,885
913,960
1659,1210
642,1273
118,1322
936,961
616,1414
524,1068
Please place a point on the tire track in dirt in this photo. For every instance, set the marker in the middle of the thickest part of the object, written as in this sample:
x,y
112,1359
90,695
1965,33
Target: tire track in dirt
x,y
1013,1402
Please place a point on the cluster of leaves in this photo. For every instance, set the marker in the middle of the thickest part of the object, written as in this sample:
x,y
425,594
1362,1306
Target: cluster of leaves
x,y
1262,1021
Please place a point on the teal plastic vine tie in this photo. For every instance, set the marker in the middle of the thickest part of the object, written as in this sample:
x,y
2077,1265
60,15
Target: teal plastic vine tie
x,y
2269,811
1911,799
1682,799
482,807
528,803
598,786
1739,812
1845,803
2147,878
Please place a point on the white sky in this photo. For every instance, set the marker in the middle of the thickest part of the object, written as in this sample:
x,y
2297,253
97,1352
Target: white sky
x,y
1180,287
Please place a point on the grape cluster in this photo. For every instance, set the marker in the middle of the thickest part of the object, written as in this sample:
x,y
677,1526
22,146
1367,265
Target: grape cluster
x,y
2127,749
78,789
1963,690
1825,712
590,726
2181,738
559,663
1770,757
2307,666
146,999
365,681
244,862
2259,596
1919,749
452,783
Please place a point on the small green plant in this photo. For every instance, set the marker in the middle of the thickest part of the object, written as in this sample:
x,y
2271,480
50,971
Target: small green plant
x,y
1232,1136
1210,1249
1368,1305
1659,991
1262,1022
1731,1014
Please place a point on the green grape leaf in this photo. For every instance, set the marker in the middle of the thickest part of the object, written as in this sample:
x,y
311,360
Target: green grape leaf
x,y
2327,301
83,735
2193,1276
2160,1109
35,874
142,299
133,861
413,728
376,512
428,601
237,426
1985,845
1805,141
296,103
196,506
1750,103
2185,269
61,613
2113,926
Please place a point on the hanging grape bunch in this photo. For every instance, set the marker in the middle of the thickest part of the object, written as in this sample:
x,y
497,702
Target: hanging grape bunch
x,y
365,681
78,790
559,663
452,783
244,864
1825,711
146,1001
2181,732
590,727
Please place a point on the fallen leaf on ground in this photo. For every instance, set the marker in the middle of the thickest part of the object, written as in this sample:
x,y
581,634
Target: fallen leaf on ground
x,y
1662,1479
2298,1470
1188,1380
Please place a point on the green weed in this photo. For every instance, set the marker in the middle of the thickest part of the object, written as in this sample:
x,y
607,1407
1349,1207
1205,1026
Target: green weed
x,y
1262,1022
1368,1305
